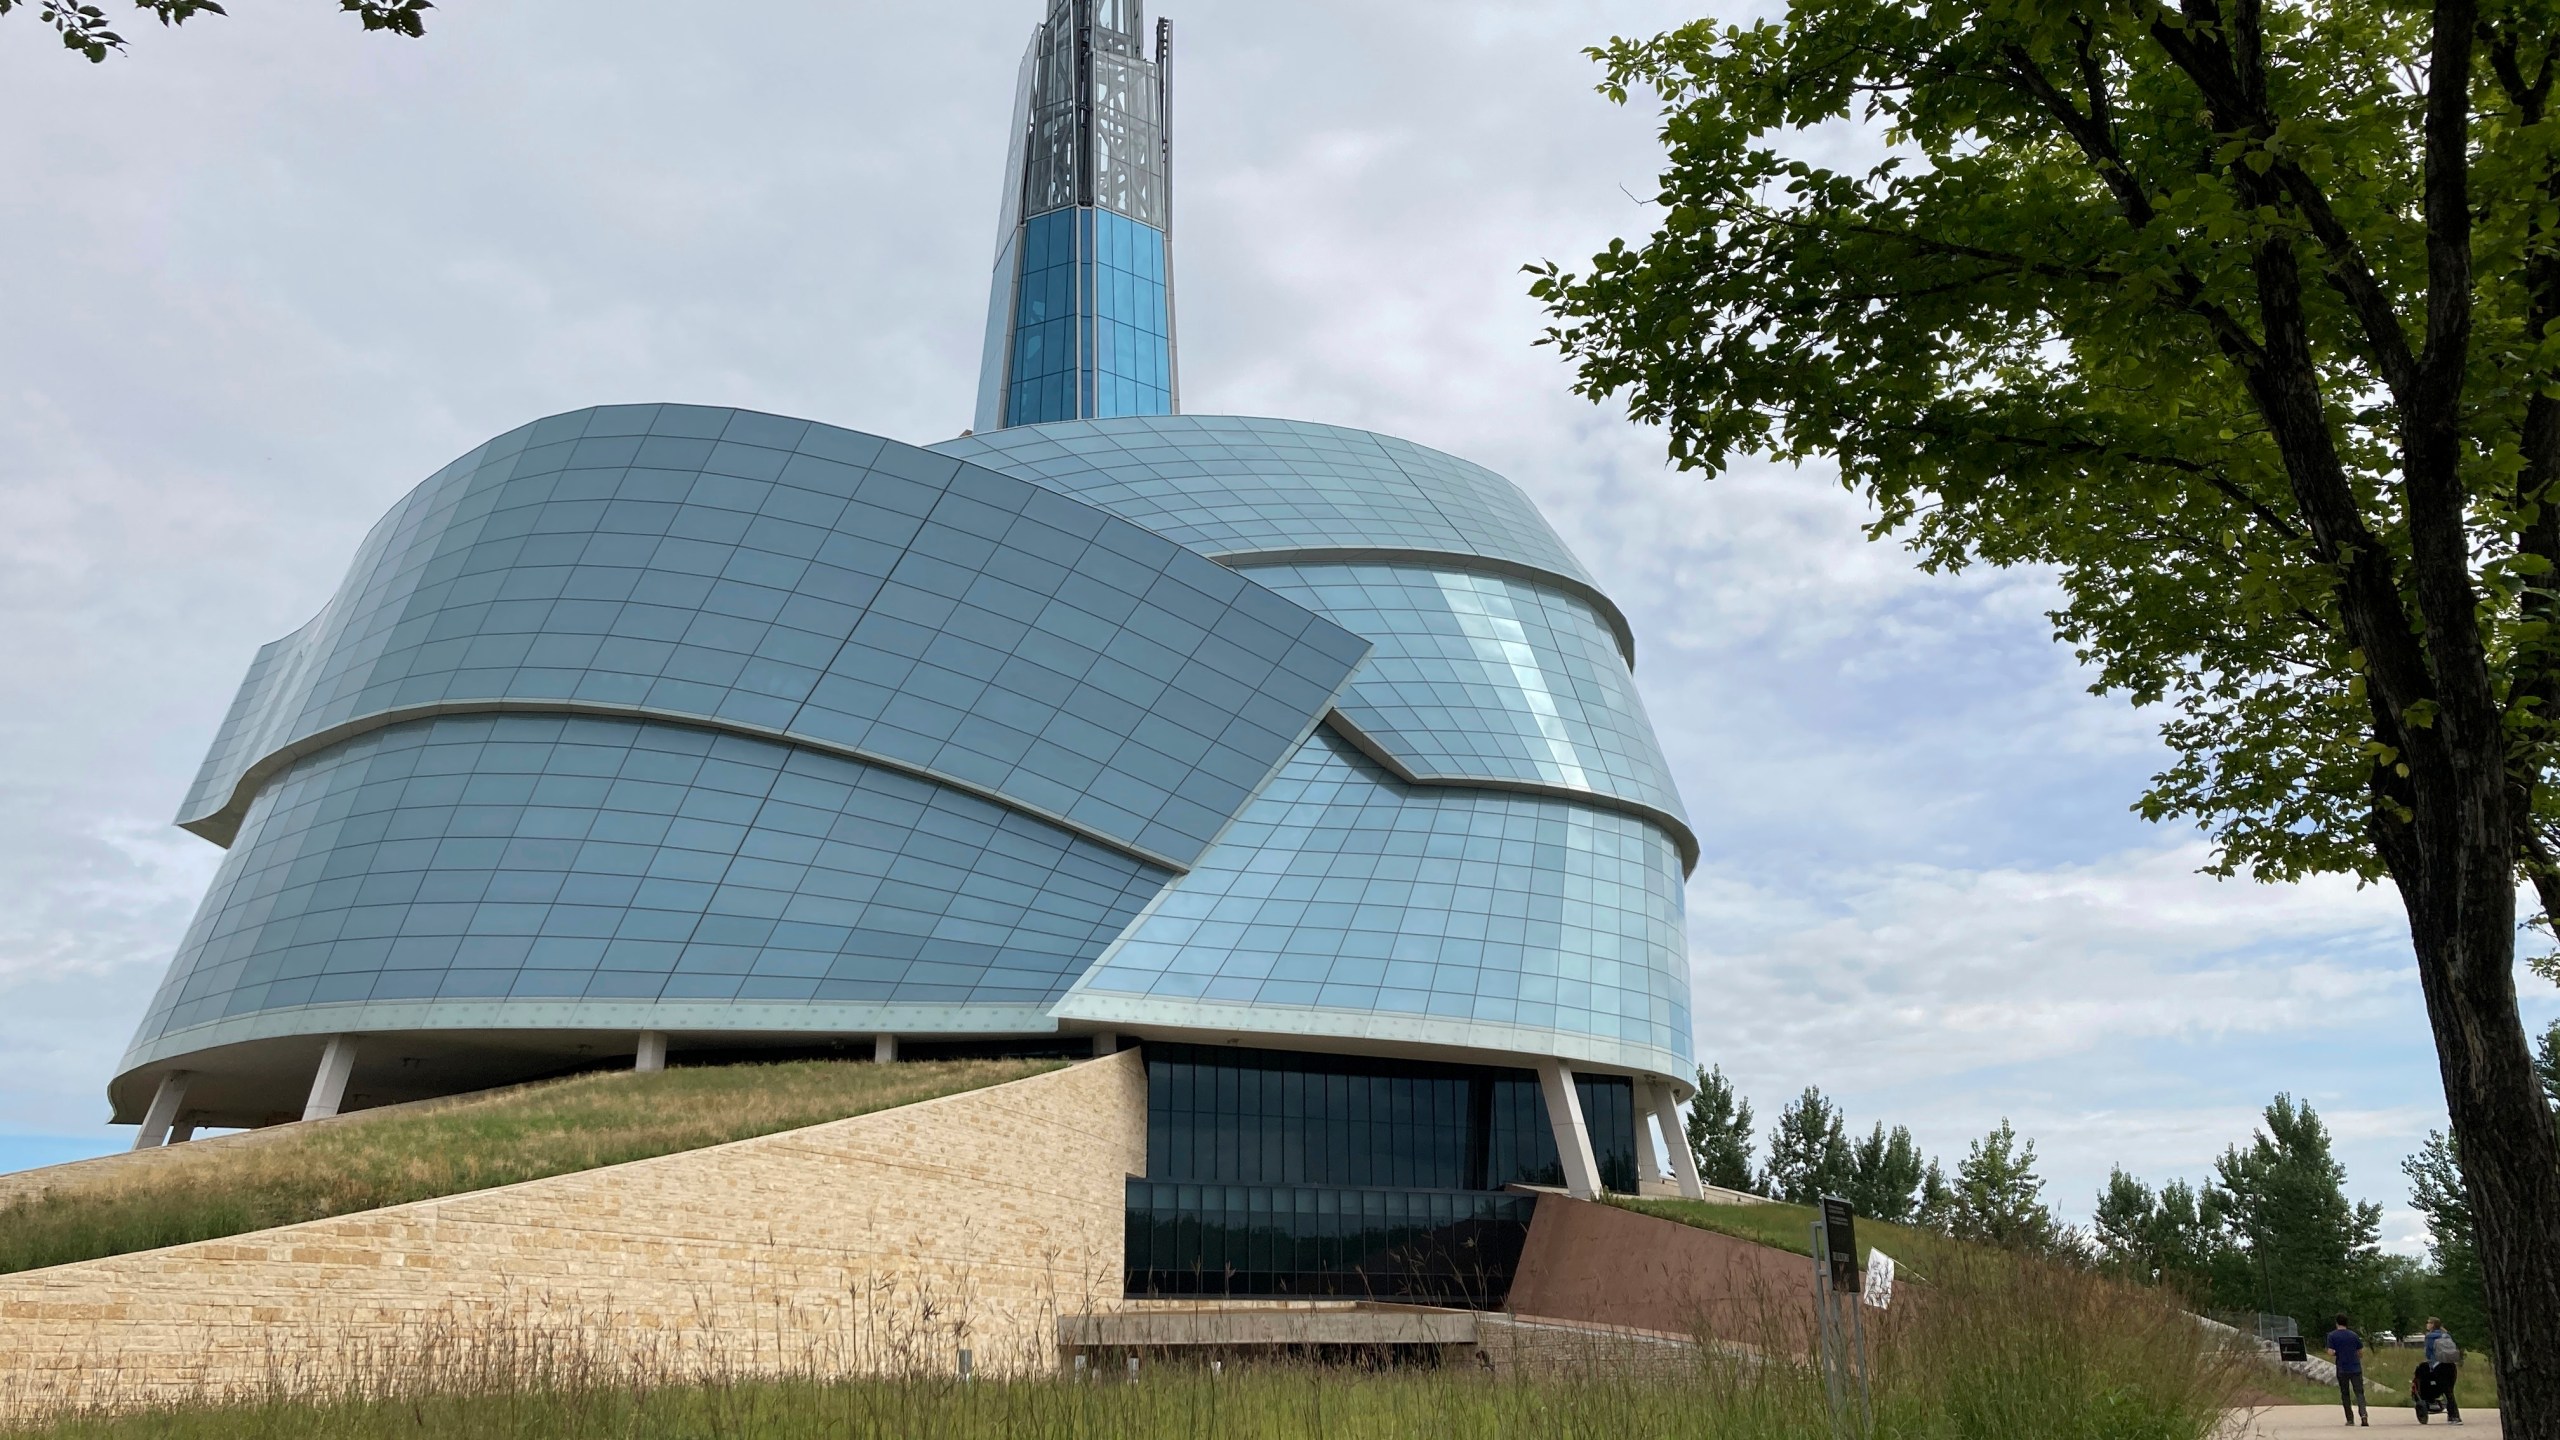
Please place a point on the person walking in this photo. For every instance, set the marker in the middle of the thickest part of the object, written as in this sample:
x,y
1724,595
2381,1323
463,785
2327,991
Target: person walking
x,y
2439,1365
2346,1351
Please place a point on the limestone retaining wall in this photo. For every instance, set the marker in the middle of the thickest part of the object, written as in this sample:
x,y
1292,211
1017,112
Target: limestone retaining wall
x,y
883,1243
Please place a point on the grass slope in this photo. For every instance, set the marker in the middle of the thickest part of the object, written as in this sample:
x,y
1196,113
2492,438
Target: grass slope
x,y
1789,1227
418,1152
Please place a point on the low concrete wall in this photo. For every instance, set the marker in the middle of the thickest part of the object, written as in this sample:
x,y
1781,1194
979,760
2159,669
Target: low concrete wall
x,y
878,1244
1602,1265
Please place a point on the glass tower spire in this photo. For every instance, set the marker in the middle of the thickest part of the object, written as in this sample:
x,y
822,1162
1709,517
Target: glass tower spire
x,y
1080,313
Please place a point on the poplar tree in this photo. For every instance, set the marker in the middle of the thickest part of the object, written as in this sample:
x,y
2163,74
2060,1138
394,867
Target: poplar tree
x,y
1808,1151
1720,1132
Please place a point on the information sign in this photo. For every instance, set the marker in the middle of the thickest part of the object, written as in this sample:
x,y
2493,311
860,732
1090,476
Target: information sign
x,y
1840,1241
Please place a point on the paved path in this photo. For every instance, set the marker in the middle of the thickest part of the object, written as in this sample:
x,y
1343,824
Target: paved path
x,y
2289,1420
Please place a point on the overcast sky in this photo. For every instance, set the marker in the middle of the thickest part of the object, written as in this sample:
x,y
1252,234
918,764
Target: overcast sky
x,y
266,272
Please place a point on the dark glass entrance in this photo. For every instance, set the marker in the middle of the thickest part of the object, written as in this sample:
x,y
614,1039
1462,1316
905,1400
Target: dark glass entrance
x,y
1284,1173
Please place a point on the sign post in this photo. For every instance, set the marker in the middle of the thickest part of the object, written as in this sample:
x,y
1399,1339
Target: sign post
x,y
1838,1318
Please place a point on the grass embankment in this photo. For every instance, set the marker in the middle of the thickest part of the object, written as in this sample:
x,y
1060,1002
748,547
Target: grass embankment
x,y
1790,1227
2004,1349
418,1152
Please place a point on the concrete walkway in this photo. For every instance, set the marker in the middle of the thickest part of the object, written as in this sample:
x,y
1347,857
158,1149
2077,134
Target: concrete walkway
x,y
2286,1420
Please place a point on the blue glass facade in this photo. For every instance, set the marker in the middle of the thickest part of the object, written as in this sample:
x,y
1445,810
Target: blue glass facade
x,y
705,721
1092,330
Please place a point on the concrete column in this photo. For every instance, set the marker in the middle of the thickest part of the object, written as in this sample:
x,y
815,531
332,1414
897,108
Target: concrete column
x,y
884,1048
652,1054
1675,1138
1648,1159
163,1111
329,1087
1106,1043
183,1131
1573,1138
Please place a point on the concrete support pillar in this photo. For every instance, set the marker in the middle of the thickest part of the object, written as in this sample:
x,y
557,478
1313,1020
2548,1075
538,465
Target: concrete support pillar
x,y
329,1087
652,1054
163,1111
1649,1160
884,1048
1106,1043
1675,1138
1573,1137
183,1131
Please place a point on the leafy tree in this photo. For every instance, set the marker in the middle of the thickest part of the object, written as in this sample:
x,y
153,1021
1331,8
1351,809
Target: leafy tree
x,y
84,27
1808,1151
2437,1192
2239,316
1999,1199
2284,1198
2122,1224
1720,1132
2170,1237
2546,1063
1885,1174
1937,1201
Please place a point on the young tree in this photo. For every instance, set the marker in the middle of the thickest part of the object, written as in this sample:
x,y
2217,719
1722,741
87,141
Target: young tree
x,y
1808,1151
1720,1132
1937,1201
2436,1191
2164,1236
1885,1174
2238,315
1999,1199
2125,1225
2284,1198
83,27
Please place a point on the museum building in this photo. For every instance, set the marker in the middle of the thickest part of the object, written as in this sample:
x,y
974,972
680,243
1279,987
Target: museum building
x,y
1307,760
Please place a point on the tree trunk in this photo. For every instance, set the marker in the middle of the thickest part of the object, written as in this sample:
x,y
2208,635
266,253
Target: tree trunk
x,y
2464,934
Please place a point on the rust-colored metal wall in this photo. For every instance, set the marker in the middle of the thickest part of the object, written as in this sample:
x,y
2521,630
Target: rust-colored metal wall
x,y
1602,1264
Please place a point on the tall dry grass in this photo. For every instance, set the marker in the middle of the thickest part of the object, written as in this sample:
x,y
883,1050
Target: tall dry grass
x,y
1987,1347
448,1147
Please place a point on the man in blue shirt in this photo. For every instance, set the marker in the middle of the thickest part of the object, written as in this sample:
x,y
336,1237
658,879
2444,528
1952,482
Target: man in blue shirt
x,y
2346,1348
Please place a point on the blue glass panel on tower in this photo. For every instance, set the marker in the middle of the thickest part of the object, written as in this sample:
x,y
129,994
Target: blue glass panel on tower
x,y
1083,255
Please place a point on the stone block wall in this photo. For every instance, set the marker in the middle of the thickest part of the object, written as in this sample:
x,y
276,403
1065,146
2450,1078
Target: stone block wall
x,y
884,1243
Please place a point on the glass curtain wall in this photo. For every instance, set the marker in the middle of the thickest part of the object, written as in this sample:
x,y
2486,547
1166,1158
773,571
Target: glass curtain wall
x,y
1280,1173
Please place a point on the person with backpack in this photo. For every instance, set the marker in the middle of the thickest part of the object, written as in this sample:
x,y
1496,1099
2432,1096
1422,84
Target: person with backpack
x,y
2439,1364
2346,1351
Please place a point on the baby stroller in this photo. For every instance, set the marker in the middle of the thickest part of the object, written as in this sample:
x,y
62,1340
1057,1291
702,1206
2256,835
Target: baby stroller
x,y
2431,1391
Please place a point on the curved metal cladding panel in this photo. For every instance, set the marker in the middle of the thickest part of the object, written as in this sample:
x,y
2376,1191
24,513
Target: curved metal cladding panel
x,y
652,874
1489,677
798,581
1228,485
1344,902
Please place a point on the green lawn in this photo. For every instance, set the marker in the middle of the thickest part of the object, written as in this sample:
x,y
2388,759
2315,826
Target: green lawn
x,y
418,1152
1789,1227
